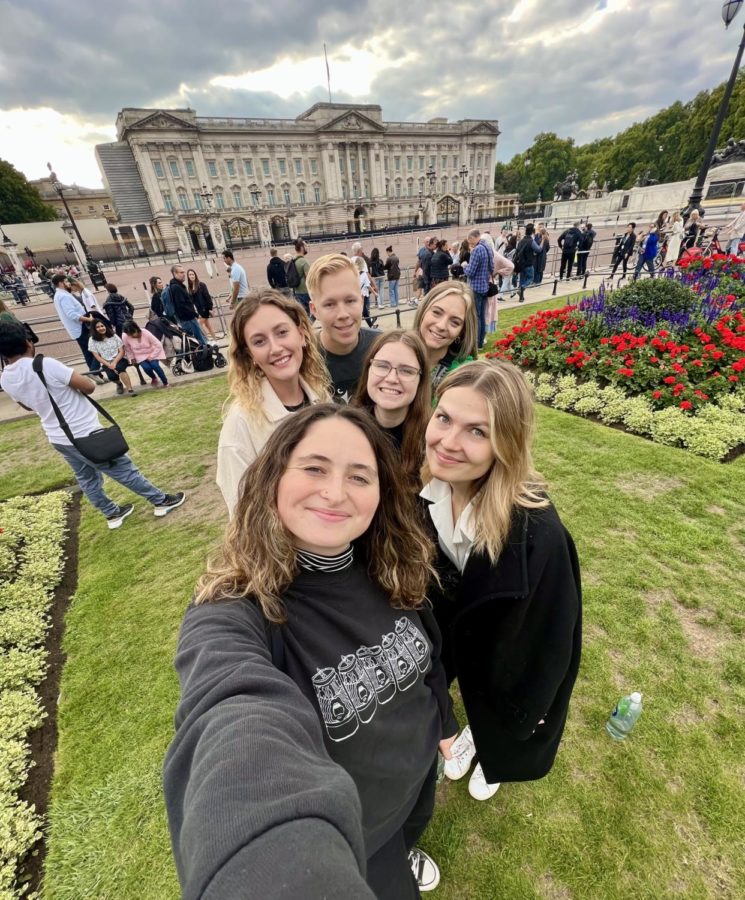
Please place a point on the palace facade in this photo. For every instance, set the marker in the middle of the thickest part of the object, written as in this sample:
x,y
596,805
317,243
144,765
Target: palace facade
x,y
179,180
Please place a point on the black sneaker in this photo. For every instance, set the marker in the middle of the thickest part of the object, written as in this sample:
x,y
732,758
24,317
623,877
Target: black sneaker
x,y
171,502
119,387
425,870
116,520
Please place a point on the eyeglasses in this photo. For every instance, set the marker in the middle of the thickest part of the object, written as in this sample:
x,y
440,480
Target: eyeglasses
x,y
405,373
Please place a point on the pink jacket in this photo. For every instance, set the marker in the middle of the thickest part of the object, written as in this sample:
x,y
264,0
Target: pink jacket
x,y
147,347
502,265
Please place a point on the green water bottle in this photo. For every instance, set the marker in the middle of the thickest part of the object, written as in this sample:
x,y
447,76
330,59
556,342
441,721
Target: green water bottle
x,y
624,716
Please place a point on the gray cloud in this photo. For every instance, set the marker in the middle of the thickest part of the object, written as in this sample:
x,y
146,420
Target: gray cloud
x,y
535,73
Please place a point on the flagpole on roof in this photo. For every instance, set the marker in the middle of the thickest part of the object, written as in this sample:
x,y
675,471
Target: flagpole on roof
x,y
328,71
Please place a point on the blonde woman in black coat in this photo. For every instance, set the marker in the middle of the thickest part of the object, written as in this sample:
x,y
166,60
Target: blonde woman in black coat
x,y
510,603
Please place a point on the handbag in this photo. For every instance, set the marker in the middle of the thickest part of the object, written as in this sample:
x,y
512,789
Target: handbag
x,y
491,289
103,445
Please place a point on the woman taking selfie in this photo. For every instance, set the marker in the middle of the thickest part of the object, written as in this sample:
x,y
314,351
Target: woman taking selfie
x,y
446,321
309,668
275,370
394,387
510,606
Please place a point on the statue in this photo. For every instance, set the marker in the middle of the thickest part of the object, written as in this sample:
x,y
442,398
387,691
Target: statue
x,y
731,152
568,189
645,180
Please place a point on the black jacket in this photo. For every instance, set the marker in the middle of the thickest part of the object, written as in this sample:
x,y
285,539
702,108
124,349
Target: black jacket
x,y
439,266
156,304
118,310
276,273
393,267
377,268
512,635
183,305
587,240
202,300
569,240
624,245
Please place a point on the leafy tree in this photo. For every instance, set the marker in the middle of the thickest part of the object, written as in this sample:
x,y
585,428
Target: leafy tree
x,y
19,201
670,145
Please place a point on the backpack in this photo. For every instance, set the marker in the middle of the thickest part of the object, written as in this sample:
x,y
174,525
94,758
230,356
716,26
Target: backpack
x,y
165,298
524,257
202,359
293,276
570,242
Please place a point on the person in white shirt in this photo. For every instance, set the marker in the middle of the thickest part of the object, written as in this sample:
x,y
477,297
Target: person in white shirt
x,y
276,369
734,231
238,280
78,289
70,390
74,316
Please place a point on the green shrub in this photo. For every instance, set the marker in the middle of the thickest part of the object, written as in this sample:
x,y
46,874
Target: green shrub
x,y
653,295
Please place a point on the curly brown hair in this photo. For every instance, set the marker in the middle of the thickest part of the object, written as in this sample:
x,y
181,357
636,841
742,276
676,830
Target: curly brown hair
x,y
258,559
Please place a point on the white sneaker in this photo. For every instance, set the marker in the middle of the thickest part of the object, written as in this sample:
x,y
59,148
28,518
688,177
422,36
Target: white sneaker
x,y
425,870
479,788
463,751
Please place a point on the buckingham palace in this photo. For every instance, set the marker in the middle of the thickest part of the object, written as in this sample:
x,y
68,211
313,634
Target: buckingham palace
x,y
183,181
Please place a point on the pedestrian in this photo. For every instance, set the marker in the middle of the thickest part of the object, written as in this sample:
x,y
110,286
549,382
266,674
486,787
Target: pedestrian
x,y
440,263
336,302
237,276
393,269
504,268
540,259
117,308
446,321
71,392
478,270
108,349
313,701
524,259
203,304
508,600
623,249
146,351
585,245
88,298
276,369
377,276
276,274
183,305
734,232
357,251
301,266
676,237
647,252
694,228
569,241
156,301
395,389
366,288
74,317
662,222
425,261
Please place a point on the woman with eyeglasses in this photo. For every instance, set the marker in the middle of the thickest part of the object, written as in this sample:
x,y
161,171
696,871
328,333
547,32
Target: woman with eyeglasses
x,y
395,389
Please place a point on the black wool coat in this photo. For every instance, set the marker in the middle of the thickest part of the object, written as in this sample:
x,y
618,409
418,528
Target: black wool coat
x,y
512,635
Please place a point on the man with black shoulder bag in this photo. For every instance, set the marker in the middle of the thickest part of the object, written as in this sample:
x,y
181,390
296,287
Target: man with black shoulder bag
x,y
69,416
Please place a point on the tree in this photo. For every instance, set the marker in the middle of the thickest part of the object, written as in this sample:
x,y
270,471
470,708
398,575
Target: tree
x,y
19,201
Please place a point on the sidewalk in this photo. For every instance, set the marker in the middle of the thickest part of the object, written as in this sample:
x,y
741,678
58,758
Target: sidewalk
x,y
11,412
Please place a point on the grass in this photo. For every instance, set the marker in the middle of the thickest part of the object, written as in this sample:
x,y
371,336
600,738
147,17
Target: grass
x,y
661,540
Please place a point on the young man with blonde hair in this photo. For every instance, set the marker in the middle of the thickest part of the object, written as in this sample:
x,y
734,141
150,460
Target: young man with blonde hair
x,y
336,302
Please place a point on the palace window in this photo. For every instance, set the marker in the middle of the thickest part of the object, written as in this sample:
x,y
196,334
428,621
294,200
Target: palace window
x,y
409,163
198,200
385,163
168,202
286,195
183,200
270,197
301,192
479,161
432,162
248,167
341,165
421,163
397,161
174,168
265,166
444,162
158,166
219,200
398,188
298,167
317,194
189,163
212,168
314,167
282,166
364,164
410,188
230,164
237,198
455,162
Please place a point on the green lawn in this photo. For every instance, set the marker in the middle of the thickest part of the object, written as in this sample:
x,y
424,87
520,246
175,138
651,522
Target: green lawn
x,y
661,537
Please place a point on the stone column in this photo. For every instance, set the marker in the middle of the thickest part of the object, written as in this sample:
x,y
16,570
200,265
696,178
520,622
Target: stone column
x,y
183,237
350,192
137,238
120,240
265,232
218,240
151,235
292,226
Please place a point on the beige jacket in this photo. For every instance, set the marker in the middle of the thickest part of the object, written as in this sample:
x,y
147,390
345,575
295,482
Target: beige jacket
x,y
242,439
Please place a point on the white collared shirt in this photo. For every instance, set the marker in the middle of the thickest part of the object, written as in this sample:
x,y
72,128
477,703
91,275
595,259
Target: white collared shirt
x,y
455,538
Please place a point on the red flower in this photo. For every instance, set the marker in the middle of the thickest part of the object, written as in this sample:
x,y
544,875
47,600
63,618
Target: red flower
x,y
627,372
686,404
663,333
603,340
670,379
657,395
733,378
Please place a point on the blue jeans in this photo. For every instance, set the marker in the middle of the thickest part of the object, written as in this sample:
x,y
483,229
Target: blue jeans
x,y
393,292
90,360
303,300
649,263
732,247
152,368
380,288
526,277
89,476
480,300
191,326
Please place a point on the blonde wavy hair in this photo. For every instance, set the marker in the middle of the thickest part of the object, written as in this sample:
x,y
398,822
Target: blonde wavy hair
x,y
258,558
512,480
245,377
329,264
466,344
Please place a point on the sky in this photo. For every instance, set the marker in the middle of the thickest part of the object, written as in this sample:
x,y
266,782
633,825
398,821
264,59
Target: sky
x,y
582,68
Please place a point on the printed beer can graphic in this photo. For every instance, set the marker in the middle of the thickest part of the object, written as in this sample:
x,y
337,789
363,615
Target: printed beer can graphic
x,y
375,663
337,709
415,642
402,662
358,686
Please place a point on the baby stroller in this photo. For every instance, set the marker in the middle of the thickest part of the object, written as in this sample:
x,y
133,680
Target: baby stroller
x,y
184,352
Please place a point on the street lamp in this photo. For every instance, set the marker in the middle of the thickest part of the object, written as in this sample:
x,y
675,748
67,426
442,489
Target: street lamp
x,y
59,188
463,176
206,195
730,8
431,175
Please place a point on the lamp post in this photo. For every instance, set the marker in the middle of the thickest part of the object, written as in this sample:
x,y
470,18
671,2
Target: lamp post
x,y
59,188
730,8
431,175
206,195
